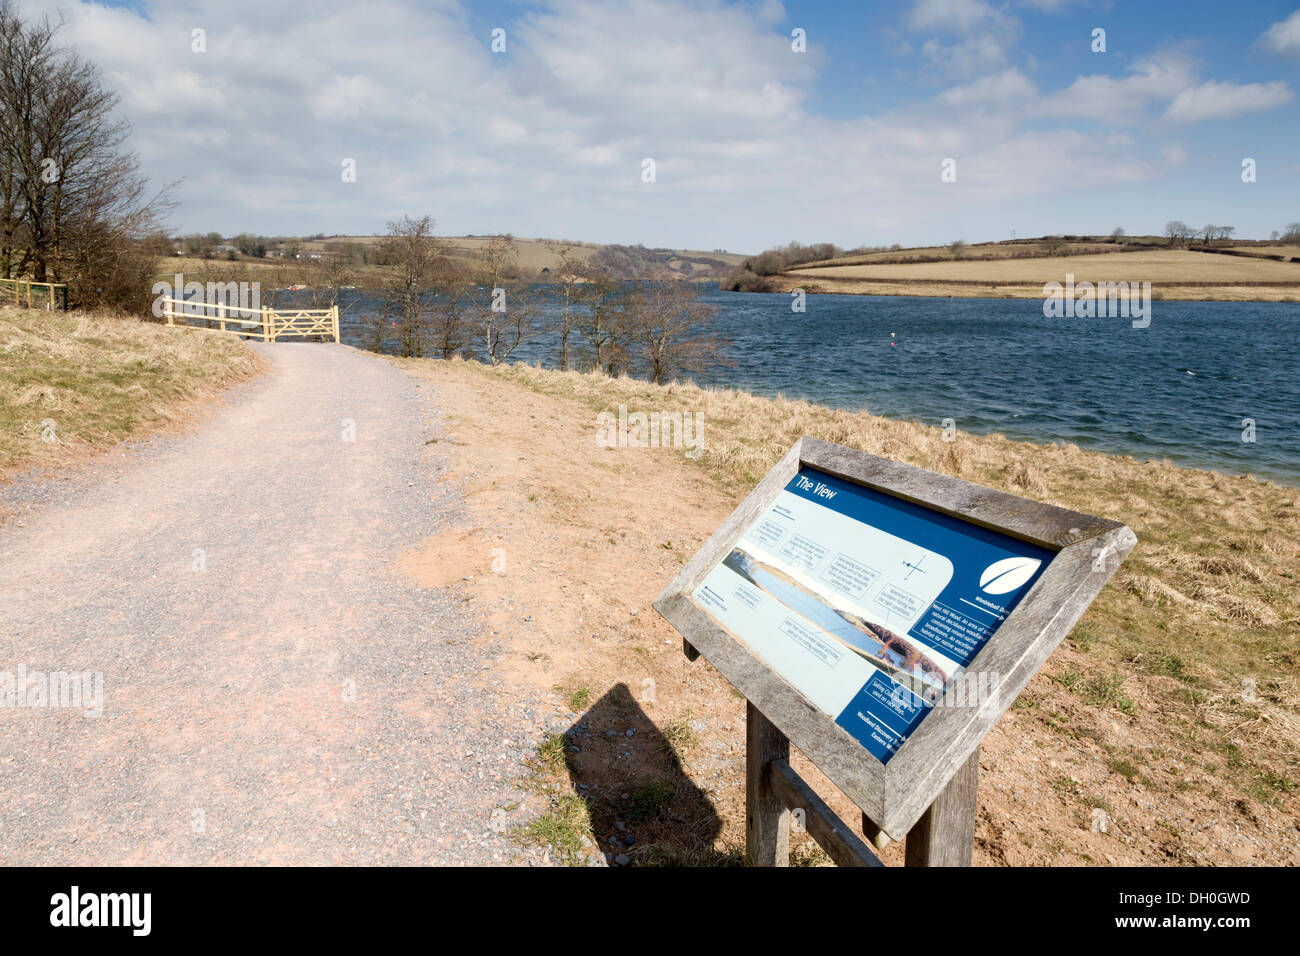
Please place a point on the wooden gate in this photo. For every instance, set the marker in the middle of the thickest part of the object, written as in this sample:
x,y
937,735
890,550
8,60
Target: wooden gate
x,y
265,323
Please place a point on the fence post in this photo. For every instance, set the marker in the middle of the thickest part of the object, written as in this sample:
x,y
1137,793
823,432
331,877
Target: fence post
x,y
267,334
29,293
51,296
335,311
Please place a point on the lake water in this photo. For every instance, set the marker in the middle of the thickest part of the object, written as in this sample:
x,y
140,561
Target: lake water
x,y
1178,389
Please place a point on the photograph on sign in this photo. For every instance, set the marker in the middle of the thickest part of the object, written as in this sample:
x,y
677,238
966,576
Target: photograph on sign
x,y
872,606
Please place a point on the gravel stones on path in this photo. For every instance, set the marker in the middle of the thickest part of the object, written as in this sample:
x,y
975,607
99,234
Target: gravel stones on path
x,y
274,691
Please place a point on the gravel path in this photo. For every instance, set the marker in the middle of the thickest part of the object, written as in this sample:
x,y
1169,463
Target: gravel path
x,y
274,691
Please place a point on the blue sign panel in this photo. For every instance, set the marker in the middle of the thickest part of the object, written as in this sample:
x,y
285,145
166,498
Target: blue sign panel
x,y
872,606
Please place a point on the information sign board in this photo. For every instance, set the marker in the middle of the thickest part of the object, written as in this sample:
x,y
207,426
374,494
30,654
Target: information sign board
x,y
882,617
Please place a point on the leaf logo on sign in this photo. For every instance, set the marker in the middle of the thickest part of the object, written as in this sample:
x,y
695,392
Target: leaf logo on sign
x,y
1002,577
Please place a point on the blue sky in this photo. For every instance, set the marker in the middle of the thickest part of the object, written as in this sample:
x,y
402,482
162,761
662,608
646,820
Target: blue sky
x,y
754,143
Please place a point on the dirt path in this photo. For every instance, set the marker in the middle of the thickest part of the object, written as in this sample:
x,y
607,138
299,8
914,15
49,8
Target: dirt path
x,y
275,688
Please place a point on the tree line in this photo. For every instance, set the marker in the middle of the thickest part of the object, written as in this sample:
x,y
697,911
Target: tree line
x,y
1177,231
74,208
437,305
754,273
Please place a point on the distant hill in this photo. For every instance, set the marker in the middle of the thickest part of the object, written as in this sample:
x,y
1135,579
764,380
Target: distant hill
x,y
537,257
1222,270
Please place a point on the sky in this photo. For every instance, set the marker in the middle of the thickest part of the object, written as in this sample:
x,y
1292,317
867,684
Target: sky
x,y
756,138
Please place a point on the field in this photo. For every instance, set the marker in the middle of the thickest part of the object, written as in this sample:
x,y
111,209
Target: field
x,y
1289,252
1169,267
1173,274
1170,712
982,250
72,382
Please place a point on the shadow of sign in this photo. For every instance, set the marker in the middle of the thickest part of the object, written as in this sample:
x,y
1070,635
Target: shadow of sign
x,y
644,809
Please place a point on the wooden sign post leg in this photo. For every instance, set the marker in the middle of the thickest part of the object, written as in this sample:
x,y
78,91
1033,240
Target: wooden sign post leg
x,y
875,836
767,820
945,835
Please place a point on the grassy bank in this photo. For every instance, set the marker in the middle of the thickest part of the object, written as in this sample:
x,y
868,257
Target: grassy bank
x,y
1176,695
74,382
823,282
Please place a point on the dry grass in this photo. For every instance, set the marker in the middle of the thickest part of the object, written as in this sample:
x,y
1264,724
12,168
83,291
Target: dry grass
x,y
1199,625
983,250
1279,250
72,382
271,273
827,282
1159,267
196,265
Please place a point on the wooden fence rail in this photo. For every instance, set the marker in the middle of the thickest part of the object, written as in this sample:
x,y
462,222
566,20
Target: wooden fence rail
x,y
264,323
49,295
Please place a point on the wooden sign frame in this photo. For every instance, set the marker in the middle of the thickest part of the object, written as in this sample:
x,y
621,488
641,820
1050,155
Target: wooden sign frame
x,y
941,754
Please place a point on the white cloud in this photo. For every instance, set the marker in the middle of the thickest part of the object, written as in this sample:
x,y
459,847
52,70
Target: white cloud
x,y
953,16
1284,36
1215,100
968,56
982,35
547,139
1174,155
1008,88
1122,101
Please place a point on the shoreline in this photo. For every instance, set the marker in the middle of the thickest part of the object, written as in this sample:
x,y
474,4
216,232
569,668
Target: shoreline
x,y
1262,476
1189,455
980,289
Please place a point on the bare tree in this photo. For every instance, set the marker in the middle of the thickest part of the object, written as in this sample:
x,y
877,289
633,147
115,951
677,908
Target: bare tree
x,y
327,277
412,254
603,324
571,276
73,205
670,324
450,314
957,248
512,312
1178,231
